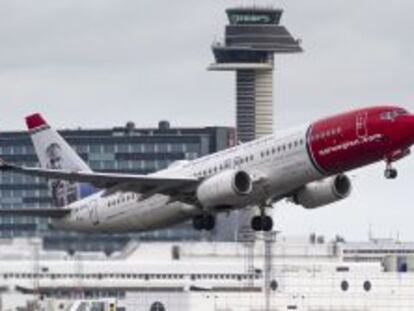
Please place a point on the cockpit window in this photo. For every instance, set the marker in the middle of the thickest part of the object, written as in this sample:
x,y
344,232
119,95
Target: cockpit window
x,y
391,115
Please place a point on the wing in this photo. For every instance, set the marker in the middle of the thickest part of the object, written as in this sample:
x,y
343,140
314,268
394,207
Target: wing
x,y
129,182
35,212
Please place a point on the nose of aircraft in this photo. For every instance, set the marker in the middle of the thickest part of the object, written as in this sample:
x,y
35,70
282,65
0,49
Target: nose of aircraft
x,y
407,128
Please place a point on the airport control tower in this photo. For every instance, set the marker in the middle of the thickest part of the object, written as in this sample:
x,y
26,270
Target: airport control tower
x,y
252,37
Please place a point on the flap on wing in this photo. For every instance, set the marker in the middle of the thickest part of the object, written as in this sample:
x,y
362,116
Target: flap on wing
x,y
137,183
35,212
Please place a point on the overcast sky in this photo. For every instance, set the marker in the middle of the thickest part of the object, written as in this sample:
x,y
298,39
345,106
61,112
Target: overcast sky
x,y
100,63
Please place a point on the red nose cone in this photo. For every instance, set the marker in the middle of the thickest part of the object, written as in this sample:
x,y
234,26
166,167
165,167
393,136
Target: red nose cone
x,y
407,128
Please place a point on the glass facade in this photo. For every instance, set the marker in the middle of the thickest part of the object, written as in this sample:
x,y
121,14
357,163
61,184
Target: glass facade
x,y
119,149
254,16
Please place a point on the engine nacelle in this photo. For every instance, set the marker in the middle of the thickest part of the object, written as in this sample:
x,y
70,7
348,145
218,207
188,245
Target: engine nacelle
x,y
324,192
225,189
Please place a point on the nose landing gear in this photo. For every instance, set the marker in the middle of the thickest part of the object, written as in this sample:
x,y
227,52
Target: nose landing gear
x,y
390,172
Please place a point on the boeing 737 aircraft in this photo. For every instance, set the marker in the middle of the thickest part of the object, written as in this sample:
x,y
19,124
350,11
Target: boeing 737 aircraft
x,y
306,166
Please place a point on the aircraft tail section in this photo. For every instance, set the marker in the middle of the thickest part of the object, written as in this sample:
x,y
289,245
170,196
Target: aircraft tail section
x,y
54,152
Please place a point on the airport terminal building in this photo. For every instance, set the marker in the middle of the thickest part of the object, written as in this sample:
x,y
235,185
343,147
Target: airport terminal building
x,y
119,149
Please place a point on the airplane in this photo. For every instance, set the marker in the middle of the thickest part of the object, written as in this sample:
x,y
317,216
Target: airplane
x,y
306,165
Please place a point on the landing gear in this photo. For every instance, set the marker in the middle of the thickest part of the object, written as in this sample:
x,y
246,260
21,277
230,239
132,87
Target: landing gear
x,y
204,222
390,172
262,223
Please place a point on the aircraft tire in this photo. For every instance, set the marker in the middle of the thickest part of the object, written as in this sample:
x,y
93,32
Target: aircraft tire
x,y
267,223
391,173
198,222
256,223
209,222
204,222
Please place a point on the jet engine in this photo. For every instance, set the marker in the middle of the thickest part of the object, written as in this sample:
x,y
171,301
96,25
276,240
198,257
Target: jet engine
x,y
225,189
323,192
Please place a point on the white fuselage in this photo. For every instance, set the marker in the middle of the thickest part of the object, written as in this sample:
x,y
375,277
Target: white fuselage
x,y
282,162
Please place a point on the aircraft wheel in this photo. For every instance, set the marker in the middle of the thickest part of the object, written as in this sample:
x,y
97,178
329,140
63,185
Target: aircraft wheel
x,y
256,223
262,223
391,173
267,223
204,222
209,222
198,222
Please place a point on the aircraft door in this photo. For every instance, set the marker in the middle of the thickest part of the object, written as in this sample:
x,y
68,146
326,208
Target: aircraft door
x,y
93,212
362,125
237,162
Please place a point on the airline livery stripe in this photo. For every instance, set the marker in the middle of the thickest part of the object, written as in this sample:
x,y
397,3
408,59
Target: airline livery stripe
x,y
310,153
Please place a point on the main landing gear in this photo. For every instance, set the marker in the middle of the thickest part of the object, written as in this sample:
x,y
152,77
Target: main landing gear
x,y
262,222
204,222
390,172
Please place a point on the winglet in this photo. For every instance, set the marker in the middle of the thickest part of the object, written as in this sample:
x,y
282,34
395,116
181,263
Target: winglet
x,y
35,121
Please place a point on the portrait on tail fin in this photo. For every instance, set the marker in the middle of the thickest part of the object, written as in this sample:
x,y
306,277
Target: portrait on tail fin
x,y
63,192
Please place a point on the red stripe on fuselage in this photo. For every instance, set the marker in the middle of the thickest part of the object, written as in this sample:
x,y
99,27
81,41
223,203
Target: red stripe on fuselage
x,y
350,140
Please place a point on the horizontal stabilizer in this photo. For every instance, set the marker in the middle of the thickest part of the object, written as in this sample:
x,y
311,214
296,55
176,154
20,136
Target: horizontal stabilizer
x,y
35,212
